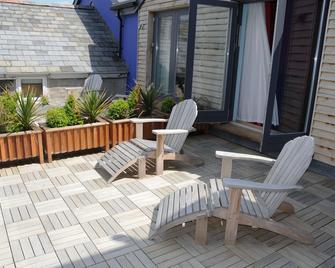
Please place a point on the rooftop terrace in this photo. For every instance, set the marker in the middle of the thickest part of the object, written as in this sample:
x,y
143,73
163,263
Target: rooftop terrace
x,y
65,214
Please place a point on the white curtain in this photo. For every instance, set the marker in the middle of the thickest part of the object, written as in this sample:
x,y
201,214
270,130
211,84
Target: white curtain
x,y
255,69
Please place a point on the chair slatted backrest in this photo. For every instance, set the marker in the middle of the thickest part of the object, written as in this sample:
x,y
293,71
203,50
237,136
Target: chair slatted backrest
x,y
93,83
290,166
183,116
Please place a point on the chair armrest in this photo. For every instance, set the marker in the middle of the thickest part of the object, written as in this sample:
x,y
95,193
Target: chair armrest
x,y
257,186
147,120
248,157
169,131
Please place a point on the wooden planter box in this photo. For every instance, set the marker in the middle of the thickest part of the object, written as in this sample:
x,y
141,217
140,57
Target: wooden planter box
x,y
124,130
21,145
75,138
120,130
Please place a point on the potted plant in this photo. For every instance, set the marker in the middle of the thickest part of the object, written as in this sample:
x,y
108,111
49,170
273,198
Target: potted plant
x,y
118,115
77,126
20,137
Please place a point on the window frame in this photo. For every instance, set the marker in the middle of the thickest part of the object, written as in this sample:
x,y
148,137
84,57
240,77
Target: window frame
x,y
175,14
18,82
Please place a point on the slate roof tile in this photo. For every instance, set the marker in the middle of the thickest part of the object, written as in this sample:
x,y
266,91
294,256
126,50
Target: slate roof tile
x,y
56,39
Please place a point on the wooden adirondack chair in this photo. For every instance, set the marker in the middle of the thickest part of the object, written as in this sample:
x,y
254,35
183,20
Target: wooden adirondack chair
x,y
241,201
92,83
167,146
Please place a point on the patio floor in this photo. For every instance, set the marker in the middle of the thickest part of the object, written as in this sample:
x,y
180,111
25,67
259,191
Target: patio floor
x,y
65,214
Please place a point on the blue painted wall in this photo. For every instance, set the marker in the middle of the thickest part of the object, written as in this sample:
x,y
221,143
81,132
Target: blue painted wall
x,y
129,41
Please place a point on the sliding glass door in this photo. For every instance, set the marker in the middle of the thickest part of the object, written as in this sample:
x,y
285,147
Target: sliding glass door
x,y
212,50
170,49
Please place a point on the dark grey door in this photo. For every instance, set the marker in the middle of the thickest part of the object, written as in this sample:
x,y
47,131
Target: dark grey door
x,y
296,54
169,52
211,53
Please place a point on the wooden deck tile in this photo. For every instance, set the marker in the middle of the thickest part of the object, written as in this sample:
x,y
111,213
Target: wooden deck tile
x,y
5,251
141,235
44,195
96,184
30,247
89,213
250,250
107,193
220,257
134,259
154,182
13,189
144,199
274,260
326,207
68,237
303,256
24,229
119,205
81,255
29,168
15,201
102,227
167,254
115,245
65,214
20,213
131,219
10,180
80,200
57,171
131,188
39,185
47,260
71,189
33,176
58,220
64,180
51,206
87,175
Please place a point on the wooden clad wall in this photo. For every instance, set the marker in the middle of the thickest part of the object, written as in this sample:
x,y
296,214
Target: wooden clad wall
x,y
323,125
145,34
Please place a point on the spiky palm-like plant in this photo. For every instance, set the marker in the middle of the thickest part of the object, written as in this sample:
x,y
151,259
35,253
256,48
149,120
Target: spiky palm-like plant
x,y
27,110
93,104
149,96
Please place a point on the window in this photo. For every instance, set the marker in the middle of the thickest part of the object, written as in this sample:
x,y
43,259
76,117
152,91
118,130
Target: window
x,y
35,85
170,47
7,85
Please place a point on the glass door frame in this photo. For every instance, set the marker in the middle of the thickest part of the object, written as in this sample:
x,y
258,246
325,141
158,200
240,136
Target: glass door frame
x,y
272,142
231,67
175,14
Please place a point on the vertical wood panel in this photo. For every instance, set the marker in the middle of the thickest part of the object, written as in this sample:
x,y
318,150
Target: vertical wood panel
x,y
89,138
19,147
323,124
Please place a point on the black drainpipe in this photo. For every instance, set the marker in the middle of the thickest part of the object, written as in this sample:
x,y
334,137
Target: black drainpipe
x,y
120,32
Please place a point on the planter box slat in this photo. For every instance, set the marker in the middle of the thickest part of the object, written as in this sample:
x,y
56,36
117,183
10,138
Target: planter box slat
x,y
21,145
75,138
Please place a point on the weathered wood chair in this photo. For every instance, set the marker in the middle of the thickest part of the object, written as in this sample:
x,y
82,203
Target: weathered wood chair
x,y
241,201
167,146
92,83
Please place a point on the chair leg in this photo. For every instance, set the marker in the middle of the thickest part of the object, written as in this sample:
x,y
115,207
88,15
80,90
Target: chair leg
x,y
141,167
233,216
201,230
160,154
